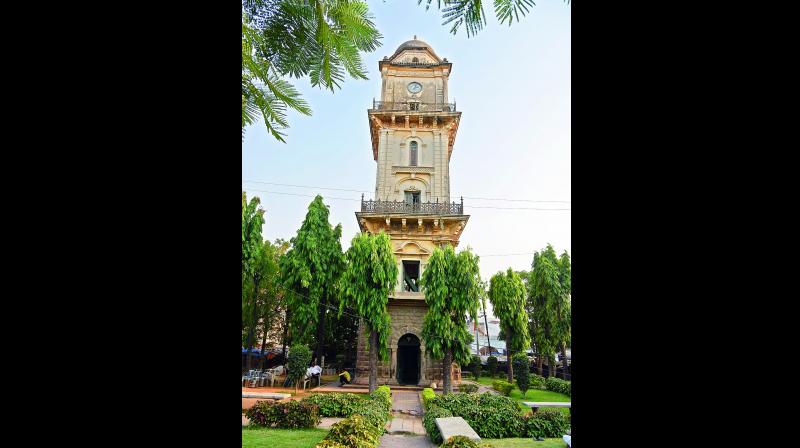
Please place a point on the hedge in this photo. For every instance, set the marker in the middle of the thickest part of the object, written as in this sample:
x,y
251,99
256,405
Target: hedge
x,y
467,387
288,415
558,385
491,416
503,386
429,421
546,423
336,404
459,442
427,395
366,423
537,382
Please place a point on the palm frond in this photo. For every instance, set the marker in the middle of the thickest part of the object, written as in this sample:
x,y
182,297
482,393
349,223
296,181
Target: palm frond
x,y
510,10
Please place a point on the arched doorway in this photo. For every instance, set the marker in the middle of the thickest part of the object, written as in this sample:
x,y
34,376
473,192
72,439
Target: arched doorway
x,y
409,359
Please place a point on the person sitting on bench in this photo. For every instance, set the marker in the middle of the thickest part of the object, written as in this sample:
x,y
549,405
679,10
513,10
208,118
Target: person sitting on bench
x,y
344,378
314,373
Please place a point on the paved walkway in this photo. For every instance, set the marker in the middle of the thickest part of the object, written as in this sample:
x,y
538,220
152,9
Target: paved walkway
x,y
397,441
406,413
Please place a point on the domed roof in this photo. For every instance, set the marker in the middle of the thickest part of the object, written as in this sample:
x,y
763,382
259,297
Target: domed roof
x,y
415,44
412,44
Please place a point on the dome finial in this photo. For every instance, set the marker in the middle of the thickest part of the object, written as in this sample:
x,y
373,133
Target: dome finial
x,y
415,37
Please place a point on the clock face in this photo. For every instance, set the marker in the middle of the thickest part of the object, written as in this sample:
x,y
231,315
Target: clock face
x,y
414,87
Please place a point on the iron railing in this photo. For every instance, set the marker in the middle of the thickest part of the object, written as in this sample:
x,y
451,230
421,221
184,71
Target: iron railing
x,y
423,208
414,107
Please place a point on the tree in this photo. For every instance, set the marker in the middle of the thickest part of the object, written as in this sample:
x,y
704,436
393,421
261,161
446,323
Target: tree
x,y
507,294
310,270
320,39
370,276
452,284
550,292
252,223
491,364
470,12
522,368
299,359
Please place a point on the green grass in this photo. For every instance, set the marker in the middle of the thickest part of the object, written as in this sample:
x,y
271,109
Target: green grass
x,y
524,443
531,395
283,438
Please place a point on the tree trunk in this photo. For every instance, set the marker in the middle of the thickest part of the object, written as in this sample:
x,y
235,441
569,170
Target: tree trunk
x,y
321,329
447,366
564,360
486,322
553,369
250,333
285,334
373,360
539,364
510,356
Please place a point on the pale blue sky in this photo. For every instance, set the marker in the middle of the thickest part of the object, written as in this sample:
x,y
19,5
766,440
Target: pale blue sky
x,y
513,87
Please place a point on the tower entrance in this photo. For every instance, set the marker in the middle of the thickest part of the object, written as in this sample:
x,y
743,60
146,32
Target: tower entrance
x,y
408,359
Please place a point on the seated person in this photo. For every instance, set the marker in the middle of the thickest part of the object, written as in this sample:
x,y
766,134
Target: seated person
x,y
314,372
344,378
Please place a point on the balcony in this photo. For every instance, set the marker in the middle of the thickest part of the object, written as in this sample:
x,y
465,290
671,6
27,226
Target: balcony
x,y
413,107
419,208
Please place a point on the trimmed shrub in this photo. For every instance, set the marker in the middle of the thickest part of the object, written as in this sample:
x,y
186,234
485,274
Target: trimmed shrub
x,y
537,382
475,366
490,415
374,412
384,395
299,358
329,444
503,386
288,415
354,432
459,442
429,421
546,423
522,371
558,385
491,364
467,387
427,395
336,404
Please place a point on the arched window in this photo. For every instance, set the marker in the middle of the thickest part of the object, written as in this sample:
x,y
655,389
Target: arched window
x,y
415,60
412,154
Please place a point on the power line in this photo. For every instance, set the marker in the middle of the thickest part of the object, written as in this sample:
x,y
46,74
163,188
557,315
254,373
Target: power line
x,y
368,191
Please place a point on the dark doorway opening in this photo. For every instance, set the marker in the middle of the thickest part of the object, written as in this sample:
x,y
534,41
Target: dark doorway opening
x,y
409,359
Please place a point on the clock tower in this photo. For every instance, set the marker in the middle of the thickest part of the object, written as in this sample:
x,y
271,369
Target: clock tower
x,y
413,129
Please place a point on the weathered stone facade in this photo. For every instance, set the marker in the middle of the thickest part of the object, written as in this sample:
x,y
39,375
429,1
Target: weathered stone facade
x,y
413,130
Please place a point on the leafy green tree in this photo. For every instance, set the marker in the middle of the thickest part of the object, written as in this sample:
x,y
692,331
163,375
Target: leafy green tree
x,y
550,296
262,276
470,14
507,294
452,283
299,359
522,367
491,364
370,276
320,39
252,223
475,366
311,269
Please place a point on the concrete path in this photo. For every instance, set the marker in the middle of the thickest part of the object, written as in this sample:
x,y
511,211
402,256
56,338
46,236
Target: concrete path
x,y
398,441
406,413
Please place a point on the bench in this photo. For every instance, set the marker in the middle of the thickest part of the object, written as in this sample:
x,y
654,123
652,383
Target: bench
x,y
267,395
547,404
455,426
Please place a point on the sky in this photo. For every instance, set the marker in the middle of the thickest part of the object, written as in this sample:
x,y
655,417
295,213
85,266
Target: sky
x,y
513,87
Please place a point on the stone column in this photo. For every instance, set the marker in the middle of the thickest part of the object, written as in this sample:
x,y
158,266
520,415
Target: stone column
x,y
393,369
423,363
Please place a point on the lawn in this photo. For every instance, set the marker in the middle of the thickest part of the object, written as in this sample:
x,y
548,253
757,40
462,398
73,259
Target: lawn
x,y
524,443
531,395
283,438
